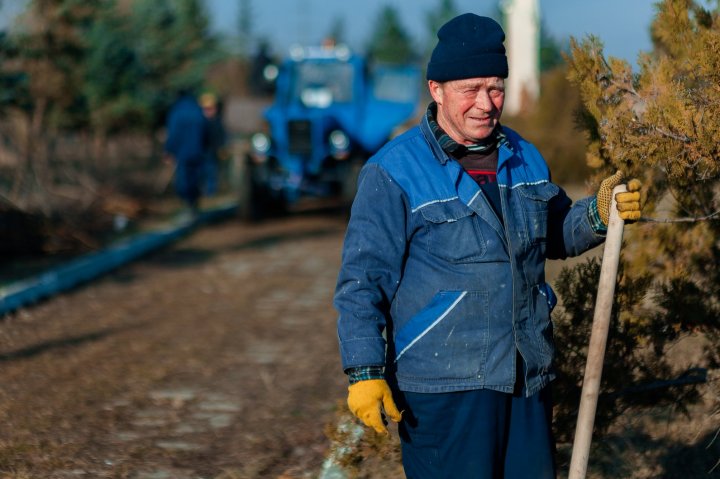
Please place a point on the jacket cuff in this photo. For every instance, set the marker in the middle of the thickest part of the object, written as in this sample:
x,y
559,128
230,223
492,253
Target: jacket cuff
x,y
596,223
363,373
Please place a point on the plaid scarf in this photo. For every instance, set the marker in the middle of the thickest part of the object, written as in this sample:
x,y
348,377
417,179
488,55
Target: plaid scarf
x,y
487,145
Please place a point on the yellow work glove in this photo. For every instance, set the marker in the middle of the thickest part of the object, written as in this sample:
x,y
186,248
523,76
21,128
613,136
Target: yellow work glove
x,y
367,398
628,204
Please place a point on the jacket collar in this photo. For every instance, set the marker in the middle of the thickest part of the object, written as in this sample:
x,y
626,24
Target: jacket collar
x,y
442,144
438,153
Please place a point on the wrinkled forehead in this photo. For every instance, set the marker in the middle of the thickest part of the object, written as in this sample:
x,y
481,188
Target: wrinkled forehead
x,y
479,82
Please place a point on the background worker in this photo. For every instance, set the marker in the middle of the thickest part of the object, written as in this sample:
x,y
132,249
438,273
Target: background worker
x,y
444,256
186,143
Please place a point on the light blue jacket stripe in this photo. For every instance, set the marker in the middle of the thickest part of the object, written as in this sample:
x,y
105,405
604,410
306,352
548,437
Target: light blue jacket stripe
x,y
444,200
520,163
428,319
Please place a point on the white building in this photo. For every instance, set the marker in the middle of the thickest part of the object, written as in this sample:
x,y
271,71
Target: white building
x,y
522,43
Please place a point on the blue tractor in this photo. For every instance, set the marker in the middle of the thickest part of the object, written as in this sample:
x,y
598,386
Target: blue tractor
x,y
331,112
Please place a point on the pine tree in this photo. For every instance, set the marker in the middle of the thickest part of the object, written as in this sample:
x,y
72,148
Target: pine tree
x,y
175,46
48,57
390,42
662,125
435,19
113,75
98,67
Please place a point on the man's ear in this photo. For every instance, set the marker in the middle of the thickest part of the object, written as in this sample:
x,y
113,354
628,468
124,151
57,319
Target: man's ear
x,y
436,91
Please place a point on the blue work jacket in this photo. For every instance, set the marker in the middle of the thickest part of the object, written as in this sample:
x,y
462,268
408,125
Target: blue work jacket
x,y
435,287
187,132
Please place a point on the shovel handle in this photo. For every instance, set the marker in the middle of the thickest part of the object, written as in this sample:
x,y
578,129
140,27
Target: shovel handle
x,y
598,341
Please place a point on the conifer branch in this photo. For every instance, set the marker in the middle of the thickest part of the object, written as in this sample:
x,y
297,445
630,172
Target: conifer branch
x,y
610,79
683,138
624,88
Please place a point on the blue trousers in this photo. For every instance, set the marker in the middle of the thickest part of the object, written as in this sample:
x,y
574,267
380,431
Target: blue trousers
x,y
188,175
211,172
479,434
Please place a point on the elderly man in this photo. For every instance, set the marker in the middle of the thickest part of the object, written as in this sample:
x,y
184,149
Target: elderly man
x,y
444,309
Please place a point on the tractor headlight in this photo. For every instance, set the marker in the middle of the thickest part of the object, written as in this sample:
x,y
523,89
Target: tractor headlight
x,y
259,146
339,144
339,140
260,143
270,73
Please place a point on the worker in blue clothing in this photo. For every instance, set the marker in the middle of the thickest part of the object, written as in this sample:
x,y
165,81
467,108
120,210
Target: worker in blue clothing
x,y
186,144
444,313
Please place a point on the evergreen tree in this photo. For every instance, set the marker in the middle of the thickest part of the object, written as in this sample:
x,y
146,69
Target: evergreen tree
x,y
435,19
74,65
389,41
113,75
52,54
175,47
661,125
47,65
13,82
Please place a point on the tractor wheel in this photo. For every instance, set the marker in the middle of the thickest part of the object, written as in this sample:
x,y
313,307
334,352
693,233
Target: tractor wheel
x,y
251,193
257,200
349,182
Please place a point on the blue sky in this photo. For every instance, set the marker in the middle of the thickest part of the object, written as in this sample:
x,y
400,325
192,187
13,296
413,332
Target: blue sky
x,y
622,25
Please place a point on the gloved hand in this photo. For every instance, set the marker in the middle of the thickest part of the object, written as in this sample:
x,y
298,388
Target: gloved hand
x,y
628,204
367,398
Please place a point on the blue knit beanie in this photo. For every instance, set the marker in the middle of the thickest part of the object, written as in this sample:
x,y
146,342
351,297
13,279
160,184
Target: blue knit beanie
x,y
469,46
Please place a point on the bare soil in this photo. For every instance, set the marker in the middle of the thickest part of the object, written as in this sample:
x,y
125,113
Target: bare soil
x,y
214,358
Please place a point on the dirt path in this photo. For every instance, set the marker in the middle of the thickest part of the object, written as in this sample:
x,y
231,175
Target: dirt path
x,y
217,358
214,358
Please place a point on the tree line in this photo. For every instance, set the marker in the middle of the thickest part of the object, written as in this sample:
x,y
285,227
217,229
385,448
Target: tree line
x,y
99,67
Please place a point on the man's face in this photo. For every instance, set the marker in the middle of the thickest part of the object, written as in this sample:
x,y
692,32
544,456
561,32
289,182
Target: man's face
x,y
209,111
469,110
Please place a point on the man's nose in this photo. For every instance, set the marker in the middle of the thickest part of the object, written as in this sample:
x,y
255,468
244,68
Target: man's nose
x,y
483,101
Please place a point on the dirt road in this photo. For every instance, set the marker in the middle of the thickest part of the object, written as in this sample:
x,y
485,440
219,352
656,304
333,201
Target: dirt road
x,y
217,358
214,358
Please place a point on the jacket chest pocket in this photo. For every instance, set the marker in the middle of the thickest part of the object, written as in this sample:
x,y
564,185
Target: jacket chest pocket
x,y
453,232
534,206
